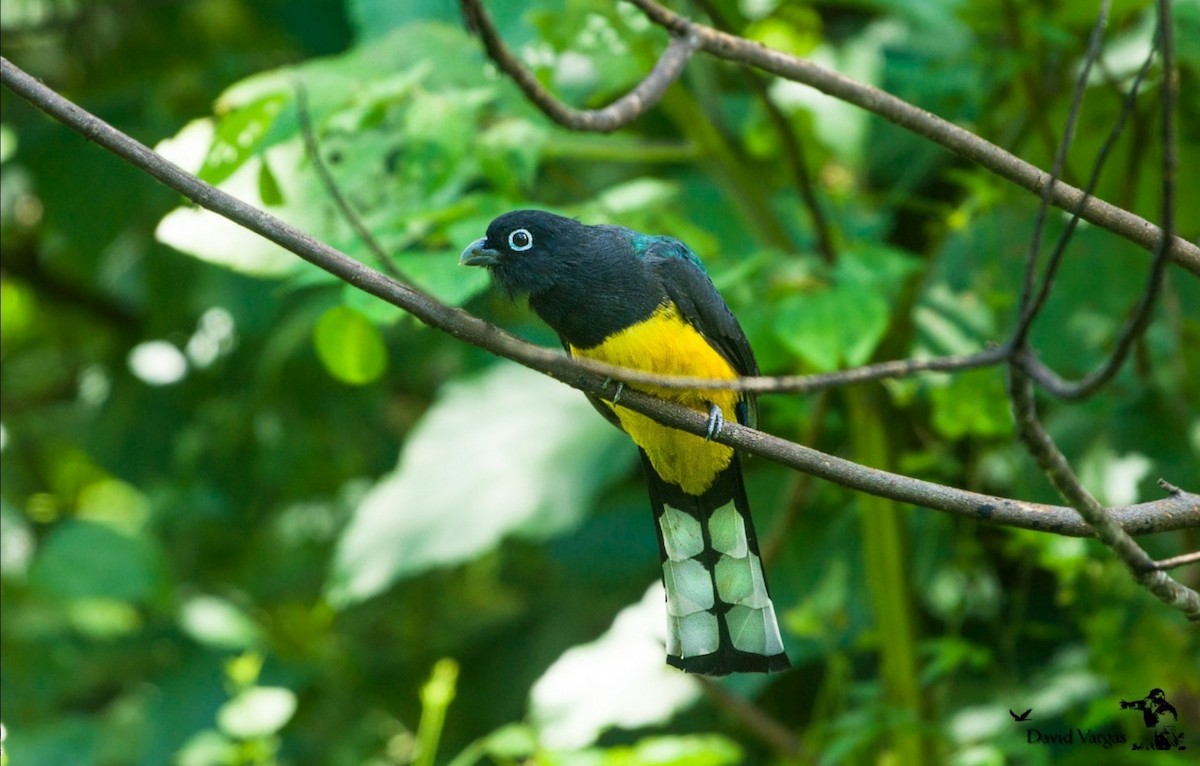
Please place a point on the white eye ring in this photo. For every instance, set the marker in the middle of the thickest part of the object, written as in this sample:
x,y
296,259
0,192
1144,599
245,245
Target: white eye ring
x,y
520,240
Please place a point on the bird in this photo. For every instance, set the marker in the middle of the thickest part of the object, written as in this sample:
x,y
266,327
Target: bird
x,y
646,302
1023,717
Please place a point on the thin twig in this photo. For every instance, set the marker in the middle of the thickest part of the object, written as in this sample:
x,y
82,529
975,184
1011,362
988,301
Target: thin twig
x,y
793,151
1028,305
1029,312
776,384
1182,559
1136,325
616,115
313,150
958,140
1180,510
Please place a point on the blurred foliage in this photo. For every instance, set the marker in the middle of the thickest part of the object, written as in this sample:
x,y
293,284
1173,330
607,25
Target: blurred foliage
x,y
211,555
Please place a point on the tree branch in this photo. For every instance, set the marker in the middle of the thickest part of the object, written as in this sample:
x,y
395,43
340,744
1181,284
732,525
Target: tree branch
x,y
313,150
793,152
1178,561
612,117
1030,306
1107,529
1179,510
958,140
1147,572
1140,317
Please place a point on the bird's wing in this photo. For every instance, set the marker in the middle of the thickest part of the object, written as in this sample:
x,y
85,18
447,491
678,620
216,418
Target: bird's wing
x,y
700,304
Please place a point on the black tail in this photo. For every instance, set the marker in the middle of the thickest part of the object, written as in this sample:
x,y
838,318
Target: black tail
x,y
720,618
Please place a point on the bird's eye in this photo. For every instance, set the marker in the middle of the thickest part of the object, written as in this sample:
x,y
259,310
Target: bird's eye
x,y
520,240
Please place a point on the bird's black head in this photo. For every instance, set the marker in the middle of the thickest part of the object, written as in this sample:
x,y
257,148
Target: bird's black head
x,y
527,250
586,282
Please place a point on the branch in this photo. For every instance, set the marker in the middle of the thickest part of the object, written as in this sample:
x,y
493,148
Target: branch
x,y
776,384
1030,307
1136,325
1180,510
1147,572
1178,561
612,117
1107,529
793,152
313,150
958,140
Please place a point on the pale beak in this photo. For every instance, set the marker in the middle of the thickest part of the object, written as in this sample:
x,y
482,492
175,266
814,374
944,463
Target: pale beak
x,y
477,254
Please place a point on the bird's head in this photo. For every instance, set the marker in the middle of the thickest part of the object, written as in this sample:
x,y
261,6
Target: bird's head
x,y
528,251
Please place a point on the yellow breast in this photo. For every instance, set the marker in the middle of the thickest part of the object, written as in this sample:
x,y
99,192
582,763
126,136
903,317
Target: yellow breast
x,y
667,345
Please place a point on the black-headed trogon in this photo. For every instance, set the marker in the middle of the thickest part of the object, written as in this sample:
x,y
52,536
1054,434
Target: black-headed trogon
x,y
646,302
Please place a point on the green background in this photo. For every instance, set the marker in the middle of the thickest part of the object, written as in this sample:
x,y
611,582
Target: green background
x,y
252,516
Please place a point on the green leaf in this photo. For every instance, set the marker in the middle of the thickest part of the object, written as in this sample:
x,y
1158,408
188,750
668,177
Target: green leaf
x,y
685,750
514,741
210,237
207,748
974,403
508,452
440,274
673,750
257,712
844,322
879,266
836,324
350,346
18,312
217,622
509,153
239,135
8,142
103,618
794,29
268,186
82,559
952,323
864,322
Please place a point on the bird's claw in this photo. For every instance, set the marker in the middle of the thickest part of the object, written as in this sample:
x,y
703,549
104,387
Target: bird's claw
x,y
620,389
716,419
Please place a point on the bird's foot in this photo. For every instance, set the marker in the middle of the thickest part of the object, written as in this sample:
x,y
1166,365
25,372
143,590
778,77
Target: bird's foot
x,y
716,419
620,389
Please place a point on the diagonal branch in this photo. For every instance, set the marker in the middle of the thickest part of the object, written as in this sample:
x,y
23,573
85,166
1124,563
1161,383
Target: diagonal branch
x,y
1102,520
313,150
793,152
612,117
1030,306
1179,510
1139,318
958,140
